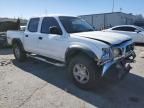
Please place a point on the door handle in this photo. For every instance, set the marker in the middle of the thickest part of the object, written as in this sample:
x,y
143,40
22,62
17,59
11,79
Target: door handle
x,y
26,35
40,38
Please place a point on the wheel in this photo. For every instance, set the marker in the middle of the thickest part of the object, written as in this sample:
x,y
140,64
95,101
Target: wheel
x,y
84,71
19,53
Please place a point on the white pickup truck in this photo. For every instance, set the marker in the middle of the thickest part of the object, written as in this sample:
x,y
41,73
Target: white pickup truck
x,y
69,41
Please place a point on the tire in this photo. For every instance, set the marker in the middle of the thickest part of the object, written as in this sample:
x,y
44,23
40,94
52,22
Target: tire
x,y
89,70
19,52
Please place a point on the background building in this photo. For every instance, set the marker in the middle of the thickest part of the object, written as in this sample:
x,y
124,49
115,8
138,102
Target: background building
x,y
106,20
22,21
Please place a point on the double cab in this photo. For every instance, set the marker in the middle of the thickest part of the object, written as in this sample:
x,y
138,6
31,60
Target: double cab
x,y
89,55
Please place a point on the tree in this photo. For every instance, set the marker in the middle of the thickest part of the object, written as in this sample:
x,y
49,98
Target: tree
x,y
18,23
8,25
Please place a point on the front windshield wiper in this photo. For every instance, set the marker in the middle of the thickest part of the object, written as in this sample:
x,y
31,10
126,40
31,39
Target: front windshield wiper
x,y
91,30
83,31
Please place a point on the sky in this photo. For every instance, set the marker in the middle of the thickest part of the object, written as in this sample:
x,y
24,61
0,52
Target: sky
x,y
31,8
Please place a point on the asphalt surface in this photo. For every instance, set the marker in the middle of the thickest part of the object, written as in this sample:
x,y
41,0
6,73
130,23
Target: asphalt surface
x,y
34,84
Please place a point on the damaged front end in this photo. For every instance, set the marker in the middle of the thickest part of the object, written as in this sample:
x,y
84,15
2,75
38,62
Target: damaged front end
x,y
119,66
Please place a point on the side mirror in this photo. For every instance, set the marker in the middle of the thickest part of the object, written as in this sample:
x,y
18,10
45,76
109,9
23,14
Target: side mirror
x,y
137,31
55,30
94,27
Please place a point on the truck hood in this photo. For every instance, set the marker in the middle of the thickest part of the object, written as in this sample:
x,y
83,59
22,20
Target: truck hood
x,y
106,37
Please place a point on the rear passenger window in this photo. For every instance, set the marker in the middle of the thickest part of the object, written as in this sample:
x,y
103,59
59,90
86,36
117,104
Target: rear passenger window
x,y
33,25
47,23
118,28
130,29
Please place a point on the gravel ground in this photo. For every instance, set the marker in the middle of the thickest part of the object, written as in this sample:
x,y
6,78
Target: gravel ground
x,y
34,84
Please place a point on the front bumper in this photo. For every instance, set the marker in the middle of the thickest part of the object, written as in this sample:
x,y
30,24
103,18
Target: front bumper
x,y
119,66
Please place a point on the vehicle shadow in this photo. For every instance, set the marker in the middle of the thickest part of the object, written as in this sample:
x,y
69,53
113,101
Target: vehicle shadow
x,y
5,51
139,44
129,93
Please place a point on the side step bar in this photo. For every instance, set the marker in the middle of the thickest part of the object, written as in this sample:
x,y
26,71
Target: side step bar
x,y
47,60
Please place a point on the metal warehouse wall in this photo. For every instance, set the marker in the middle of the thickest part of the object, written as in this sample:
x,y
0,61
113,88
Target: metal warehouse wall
x,y
106,20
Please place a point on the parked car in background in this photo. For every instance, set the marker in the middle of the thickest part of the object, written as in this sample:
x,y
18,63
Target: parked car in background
x,y
22,28
137,33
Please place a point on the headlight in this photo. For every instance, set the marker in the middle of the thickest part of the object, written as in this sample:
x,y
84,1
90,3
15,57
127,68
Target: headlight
x,y
117,52
106,54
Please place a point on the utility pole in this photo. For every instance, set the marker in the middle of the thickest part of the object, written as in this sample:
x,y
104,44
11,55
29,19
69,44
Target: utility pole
x,y
120,9
113,6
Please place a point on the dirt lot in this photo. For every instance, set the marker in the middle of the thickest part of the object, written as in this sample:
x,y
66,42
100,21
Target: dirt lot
x,y
34,84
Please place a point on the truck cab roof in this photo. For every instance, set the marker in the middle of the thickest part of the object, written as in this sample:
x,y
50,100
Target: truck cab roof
x,y
55,16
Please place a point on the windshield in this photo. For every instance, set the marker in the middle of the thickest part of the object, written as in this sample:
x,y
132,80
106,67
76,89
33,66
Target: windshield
x,y
75,25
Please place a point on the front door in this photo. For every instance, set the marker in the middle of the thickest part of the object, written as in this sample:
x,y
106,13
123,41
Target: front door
x,y
51,45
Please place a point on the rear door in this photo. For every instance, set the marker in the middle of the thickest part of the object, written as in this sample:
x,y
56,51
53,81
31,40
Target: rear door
x,y
141,37
140,34
31,36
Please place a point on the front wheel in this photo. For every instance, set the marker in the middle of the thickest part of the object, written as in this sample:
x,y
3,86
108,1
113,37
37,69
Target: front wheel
x,y
84,71
18,51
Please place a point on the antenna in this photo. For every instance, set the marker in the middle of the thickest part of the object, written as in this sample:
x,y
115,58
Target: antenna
x,y
113,6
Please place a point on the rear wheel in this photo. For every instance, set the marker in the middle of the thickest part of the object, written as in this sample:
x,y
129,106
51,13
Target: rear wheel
x,y
19,52
84,71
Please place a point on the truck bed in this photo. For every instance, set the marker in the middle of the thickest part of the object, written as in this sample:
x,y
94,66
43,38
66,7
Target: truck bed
x,y
14,34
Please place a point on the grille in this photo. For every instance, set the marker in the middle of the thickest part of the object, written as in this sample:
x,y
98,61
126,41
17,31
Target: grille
x,y
130,48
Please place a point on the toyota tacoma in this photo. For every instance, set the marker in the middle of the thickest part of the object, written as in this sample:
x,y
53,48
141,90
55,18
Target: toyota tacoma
x,y
89,55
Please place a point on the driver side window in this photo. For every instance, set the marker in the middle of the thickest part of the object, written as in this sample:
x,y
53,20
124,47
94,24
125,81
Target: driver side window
x,y
47,23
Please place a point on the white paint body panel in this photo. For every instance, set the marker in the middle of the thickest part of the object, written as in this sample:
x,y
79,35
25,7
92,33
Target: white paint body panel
x,y
55,46
14,34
